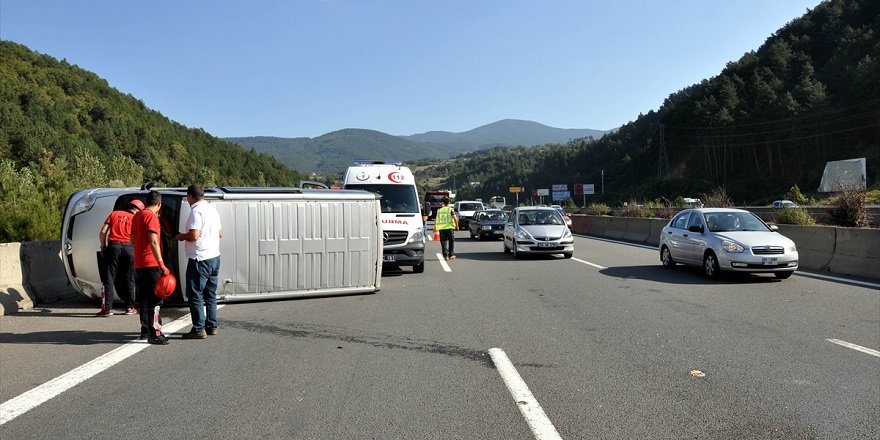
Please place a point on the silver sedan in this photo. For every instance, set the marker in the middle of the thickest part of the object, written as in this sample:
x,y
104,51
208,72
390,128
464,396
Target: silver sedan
x,y
722,239
537,230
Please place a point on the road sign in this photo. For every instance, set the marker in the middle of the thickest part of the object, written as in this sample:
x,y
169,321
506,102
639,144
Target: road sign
x,y
543,192
516,189
561,195
589,188
560,187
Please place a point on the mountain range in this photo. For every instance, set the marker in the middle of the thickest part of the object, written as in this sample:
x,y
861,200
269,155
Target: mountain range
x,y
334,151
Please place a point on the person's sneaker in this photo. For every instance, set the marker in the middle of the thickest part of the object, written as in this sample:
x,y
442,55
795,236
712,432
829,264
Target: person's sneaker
x,y
104,312
131,311
452,257
193,334
211,331
161,340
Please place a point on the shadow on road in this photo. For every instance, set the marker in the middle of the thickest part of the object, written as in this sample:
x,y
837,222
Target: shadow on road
x,y
684,275
68,337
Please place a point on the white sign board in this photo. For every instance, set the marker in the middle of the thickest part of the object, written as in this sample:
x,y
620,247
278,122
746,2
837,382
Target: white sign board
x,y
589,188
543,192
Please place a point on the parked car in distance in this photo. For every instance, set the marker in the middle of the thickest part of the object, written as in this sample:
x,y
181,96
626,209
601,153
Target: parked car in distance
x,y
691,202
536,230
725,239
466,210
488,223
780,204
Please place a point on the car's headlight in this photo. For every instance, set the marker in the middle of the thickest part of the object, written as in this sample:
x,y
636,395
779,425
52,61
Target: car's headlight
x,y
85,203
792,247
566,234
417,236
731,246
521,234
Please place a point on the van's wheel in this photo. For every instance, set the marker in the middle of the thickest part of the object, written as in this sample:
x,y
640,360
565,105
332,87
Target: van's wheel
x,y
783,275
710,265
515,253
666,258
419,268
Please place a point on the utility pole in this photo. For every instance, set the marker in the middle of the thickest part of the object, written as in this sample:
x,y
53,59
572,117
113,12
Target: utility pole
x,y
603,181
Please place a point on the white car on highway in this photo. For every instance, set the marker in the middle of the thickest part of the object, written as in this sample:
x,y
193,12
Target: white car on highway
x,y
723,239
537,230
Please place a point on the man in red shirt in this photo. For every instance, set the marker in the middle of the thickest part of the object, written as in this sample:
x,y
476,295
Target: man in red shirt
x,y
149,267
118,255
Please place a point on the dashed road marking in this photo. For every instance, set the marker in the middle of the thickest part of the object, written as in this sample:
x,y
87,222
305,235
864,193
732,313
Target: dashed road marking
x,y
443,263
531,410
854,347
588,263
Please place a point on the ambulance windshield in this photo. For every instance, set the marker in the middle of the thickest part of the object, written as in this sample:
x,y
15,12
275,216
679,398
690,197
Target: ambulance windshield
x,y
396,199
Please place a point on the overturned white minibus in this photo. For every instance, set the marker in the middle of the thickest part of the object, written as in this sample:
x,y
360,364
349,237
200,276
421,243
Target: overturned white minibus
x,y
277,242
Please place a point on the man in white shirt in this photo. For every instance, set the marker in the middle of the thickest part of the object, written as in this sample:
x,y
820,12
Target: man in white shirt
x,y
203,268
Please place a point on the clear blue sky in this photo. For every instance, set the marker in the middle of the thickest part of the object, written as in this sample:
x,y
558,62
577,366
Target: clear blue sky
x,y
307,67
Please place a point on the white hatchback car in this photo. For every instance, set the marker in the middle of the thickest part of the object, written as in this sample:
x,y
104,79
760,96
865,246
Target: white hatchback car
x,y
537,230
723,239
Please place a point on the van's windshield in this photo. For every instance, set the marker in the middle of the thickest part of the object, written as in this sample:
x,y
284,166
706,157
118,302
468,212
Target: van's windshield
x,y
470,206
395,198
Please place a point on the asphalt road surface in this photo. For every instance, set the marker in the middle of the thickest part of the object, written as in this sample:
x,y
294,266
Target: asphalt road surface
x,y
607,345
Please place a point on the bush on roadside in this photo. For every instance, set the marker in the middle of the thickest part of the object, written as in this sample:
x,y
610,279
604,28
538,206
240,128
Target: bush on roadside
x,y
795,216
795,195
598,209
848,209
717,198
634,209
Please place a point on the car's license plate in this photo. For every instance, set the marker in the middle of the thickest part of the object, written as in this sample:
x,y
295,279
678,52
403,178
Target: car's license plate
x,y
389,258
546,244
769,261
497,232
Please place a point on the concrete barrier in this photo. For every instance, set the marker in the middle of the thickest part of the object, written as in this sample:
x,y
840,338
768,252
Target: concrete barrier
x,y
857,252
815,244
44,271
13,295
637,229
31,273
845,251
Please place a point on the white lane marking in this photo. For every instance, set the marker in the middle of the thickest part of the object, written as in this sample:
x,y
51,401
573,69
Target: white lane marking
x,y
611,240
35,397
588,263
531,410
842,280
854,347
443,263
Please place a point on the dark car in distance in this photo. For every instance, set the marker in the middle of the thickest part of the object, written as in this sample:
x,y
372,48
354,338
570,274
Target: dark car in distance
x,y
488,223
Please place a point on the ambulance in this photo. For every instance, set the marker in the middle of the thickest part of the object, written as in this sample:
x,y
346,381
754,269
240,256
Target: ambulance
x,y
402,227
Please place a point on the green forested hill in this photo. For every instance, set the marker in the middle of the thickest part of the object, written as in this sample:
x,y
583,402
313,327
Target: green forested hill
x,y
772,119
333,152
63,128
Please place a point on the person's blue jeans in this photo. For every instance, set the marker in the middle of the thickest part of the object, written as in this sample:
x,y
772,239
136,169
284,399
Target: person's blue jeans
x,y
201,290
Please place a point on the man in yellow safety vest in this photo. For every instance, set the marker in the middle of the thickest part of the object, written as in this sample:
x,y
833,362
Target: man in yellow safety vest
x,y
446,223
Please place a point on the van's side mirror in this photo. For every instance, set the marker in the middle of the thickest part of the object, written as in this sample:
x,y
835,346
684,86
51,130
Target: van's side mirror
x,y
774,228
696,228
